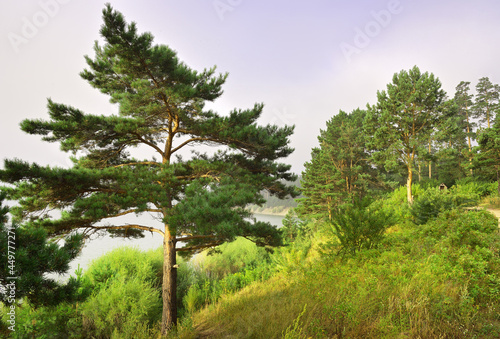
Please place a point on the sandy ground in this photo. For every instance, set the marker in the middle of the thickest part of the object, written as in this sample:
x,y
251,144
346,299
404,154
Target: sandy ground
x,y
496,213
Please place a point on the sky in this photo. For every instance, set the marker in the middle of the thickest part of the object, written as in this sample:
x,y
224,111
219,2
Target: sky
x,y
305,60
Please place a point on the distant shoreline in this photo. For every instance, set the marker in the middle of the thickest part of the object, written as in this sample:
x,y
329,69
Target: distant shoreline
x,y
268,211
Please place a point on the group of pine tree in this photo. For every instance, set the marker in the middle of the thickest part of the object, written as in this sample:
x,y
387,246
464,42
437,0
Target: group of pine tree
x,y
412,131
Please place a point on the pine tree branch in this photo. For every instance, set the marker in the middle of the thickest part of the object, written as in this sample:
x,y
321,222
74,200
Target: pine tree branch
x,y
193,237
200,247
206,175
129,226
191,140
153,163
132,211
150,144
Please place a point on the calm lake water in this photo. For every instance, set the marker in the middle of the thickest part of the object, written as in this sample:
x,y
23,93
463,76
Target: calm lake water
x,y
100,246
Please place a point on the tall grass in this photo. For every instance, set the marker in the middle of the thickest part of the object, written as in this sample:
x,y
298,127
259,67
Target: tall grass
x,y
437,280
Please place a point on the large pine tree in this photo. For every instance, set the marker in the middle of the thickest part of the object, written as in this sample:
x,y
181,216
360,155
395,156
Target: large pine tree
x,y
339,171
487,101
487,159
451,143
403,119
201,200
27,256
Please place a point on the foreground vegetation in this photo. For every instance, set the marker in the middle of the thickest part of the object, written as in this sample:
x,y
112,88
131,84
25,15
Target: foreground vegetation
x,y
434,272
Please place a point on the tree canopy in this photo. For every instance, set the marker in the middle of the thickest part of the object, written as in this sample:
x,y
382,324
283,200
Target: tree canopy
x,y
403,119
339,170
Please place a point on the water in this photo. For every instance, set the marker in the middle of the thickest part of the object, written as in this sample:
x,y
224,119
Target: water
x,y
100,246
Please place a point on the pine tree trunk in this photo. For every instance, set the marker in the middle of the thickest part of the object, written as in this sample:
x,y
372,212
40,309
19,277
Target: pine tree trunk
x,y
169,284
408,185
469,141
430,161
498,181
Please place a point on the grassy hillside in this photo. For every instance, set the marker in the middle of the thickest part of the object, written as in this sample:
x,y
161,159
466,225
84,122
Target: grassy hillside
x,y
440,279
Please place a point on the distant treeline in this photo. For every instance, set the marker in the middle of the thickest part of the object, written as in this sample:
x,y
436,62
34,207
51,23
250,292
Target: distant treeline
x,y
276,205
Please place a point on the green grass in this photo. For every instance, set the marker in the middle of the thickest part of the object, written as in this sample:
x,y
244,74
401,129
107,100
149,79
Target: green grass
x,y
436,280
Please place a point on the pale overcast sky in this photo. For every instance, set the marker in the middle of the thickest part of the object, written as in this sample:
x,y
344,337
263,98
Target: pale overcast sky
x,y
305,60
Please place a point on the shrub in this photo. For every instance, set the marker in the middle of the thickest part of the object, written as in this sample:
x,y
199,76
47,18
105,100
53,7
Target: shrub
x,y
120,306
433,201
475,189
429,204
60,321
396,203
358,227
466,245
125,262
233,257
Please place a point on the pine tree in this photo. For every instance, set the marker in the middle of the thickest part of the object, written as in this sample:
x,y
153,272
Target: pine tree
x,y
487,101
403,119
464,101
27,256
201,200
339,170
451,138
487,159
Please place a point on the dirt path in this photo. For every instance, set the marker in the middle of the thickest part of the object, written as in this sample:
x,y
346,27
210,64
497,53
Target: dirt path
x,y
496,213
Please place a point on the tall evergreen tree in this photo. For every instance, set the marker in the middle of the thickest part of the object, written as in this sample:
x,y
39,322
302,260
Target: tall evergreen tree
x,y
451,142
339,170
403,118
27,255
201,200
464,101
487,101
465,104
487,159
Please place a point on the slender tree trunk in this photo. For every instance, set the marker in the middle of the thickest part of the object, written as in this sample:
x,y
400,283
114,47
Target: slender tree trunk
x,y
430,161
409,196
169,284
469,141
329,204
498,181
488,115
419,171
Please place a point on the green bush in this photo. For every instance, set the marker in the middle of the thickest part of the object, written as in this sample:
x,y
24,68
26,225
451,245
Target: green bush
x,y
125,262
475,189
120,306
359,227
466,245
233,257
429,204
61,321
123,294
433,201
396,203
